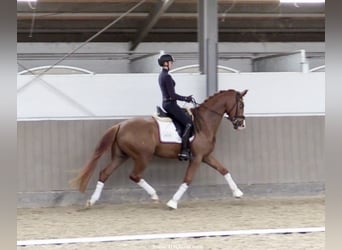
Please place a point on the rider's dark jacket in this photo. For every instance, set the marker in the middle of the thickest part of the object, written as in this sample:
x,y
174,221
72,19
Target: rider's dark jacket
x,y
167,86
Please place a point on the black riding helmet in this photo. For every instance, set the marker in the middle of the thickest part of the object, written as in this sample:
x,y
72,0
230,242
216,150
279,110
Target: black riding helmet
x,y
164,58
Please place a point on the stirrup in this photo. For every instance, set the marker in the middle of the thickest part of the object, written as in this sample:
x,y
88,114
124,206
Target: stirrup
x,y
183,156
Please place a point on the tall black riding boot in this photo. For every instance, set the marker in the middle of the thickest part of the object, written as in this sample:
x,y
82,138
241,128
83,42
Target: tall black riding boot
x,y
185,153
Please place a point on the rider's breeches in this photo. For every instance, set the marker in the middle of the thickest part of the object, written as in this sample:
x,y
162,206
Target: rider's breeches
x,y
177,114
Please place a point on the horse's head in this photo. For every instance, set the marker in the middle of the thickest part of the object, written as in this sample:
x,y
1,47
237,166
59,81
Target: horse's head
x,y
235,112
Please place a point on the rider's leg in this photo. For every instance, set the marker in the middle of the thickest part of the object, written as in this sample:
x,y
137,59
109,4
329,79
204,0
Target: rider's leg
x,y
178,114
185,151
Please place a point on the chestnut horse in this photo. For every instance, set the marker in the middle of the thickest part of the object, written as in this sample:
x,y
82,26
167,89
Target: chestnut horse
x,y
138,138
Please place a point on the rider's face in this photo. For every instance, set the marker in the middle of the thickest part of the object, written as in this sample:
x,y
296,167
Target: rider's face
x,y
169,64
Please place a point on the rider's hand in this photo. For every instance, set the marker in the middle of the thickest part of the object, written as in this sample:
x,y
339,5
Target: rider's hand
x,y
188,98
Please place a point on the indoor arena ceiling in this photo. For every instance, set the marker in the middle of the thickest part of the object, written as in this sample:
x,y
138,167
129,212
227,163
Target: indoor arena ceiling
x,y
167,21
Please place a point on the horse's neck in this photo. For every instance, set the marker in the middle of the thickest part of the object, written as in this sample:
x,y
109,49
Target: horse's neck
x,y
211,113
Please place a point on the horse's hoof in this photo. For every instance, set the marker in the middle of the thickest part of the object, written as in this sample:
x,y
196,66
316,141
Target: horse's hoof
x,y
172,204
237,194
155,197
88,204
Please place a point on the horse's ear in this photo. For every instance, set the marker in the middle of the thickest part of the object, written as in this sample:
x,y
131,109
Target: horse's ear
x,y
244,92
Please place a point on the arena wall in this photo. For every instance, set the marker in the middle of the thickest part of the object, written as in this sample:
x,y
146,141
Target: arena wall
x,y
280,151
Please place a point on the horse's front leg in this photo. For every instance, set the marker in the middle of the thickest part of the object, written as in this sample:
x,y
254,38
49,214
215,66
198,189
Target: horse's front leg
x,y
192,167
212,162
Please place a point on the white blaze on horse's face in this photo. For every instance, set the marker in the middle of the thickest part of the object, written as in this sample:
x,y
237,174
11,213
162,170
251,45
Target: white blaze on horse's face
x,y
243,125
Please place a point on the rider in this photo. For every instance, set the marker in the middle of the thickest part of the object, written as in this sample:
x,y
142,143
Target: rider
x,y
167,86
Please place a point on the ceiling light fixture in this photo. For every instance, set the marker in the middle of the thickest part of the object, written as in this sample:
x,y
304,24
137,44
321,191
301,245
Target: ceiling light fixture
x,y
26,0
302,1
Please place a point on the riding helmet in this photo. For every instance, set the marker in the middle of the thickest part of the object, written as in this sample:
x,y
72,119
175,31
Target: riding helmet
x,y
164,58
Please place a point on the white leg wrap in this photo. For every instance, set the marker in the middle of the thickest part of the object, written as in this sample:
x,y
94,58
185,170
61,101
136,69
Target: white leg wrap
x,y
149,189
237,193
176,197
97,193
181,190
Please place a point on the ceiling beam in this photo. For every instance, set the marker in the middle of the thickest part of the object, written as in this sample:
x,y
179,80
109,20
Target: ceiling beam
x,y
178,1
88,1
92,16
152,19
180,30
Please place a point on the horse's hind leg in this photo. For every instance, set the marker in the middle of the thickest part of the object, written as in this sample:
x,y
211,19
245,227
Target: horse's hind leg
x,y
104,174
212,162
136,176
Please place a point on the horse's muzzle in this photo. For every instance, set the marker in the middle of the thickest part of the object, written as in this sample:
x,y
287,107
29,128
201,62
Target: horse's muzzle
x,y
239,124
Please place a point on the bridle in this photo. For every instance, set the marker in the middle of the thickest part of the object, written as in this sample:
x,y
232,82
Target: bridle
x,y
236,106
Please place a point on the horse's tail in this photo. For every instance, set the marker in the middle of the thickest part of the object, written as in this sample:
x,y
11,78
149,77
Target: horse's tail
x,y
81,181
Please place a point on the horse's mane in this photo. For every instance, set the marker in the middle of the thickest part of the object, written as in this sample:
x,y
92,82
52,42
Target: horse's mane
x,y
195,111
212,96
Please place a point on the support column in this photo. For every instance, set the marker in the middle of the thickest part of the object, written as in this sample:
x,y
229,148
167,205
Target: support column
x,y
207,40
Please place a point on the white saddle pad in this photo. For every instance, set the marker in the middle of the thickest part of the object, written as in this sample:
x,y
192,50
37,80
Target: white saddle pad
x,y
167,131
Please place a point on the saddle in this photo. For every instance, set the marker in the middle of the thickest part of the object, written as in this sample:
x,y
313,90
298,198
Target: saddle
x,y
163,116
